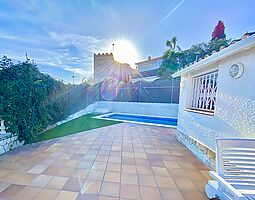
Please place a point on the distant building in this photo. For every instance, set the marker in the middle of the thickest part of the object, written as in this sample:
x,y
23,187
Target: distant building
x,y
105,67
147,70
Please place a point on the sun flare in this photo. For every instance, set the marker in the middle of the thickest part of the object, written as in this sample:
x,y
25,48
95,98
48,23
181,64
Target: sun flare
x,y
124,51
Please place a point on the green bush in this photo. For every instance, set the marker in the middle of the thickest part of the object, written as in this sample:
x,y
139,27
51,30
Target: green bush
x,y
30,100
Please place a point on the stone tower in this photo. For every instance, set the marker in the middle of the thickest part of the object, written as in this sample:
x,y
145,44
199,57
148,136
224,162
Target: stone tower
x,y
103,64
106,67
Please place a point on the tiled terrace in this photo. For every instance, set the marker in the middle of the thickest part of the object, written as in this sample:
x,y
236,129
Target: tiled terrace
x,y
122,161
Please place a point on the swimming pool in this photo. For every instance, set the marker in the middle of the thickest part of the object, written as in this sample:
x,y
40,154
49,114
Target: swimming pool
x,y
140,119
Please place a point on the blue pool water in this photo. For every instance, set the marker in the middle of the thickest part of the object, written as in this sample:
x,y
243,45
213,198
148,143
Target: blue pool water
x,y
144,119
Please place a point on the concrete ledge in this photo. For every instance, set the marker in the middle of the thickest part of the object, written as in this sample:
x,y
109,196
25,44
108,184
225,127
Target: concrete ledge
x,y
203,153
9,143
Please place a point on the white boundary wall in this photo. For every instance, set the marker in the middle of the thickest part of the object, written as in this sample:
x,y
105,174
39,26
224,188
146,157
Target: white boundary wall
x,y
156,109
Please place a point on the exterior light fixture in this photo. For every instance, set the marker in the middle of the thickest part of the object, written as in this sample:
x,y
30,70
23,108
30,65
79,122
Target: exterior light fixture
x,y
236,70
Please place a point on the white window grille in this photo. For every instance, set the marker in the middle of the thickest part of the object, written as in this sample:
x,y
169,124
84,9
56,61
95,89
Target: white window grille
x,y
204,92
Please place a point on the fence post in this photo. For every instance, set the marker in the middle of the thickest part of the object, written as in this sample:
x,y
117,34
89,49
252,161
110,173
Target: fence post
x,y
69,102
139,92
172,88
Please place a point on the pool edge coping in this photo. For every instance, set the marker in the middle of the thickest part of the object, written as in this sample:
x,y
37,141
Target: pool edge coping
x,y
134,122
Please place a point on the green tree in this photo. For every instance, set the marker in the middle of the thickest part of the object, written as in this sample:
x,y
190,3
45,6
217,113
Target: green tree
x,y
174,58
172,44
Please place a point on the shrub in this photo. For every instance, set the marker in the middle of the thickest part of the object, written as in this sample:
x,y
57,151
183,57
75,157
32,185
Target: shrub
x,y
30,100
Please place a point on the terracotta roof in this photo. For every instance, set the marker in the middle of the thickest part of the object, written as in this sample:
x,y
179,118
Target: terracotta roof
x,y
217,54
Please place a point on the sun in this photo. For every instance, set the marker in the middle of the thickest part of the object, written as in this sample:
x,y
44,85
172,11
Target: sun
x,y
124,51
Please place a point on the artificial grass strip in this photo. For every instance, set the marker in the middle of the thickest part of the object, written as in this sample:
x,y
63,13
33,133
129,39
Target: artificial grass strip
x,y
83,123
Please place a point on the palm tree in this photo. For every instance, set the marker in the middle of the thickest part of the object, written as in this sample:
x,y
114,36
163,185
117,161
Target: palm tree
x,y
172,44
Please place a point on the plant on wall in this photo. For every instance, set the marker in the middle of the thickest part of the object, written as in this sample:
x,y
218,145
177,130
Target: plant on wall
x,y
175,58
30,100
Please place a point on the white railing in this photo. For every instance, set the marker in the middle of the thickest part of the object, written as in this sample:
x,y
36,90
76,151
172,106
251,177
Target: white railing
x,y
234,178
204,92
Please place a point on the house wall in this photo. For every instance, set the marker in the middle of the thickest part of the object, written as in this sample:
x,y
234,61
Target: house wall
x,y
235,103
149,65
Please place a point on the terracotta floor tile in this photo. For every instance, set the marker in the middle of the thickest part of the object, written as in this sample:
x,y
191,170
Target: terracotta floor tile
x,y
73,185
129,178
142,162
99,166
144,170
129,191
47,194
200,185
101,197
57,182
141,155
110,189
24,179
87,196
187,165
85,164
113,167
160,171
184,184
28,193
112,177
195,175
156,163
66,195
114,159
91,187
65,171
193,195
38,169
11,191
77,156
178,173
80,173
128,168
165,182
171,165
96,175
147,180
128,161
105,163
171,194
41,180
150,193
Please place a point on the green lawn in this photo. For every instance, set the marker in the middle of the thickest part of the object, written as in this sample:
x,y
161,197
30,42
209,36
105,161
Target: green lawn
x,y
83,123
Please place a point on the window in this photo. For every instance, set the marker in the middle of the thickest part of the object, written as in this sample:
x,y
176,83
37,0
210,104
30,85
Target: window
x,y
204,92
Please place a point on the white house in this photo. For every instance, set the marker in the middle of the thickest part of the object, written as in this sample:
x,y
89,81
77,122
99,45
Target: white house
x,y
147,70
217,98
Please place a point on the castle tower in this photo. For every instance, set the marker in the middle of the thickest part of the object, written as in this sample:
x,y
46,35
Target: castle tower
x,y
103,66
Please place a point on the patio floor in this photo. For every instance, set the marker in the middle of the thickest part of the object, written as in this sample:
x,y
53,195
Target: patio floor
x,y
123,161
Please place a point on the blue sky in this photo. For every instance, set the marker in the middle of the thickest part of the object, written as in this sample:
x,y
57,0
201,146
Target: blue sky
x,y
62,35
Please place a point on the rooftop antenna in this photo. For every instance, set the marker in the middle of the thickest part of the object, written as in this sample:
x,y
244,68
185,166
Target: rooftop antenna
x,y
26,56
